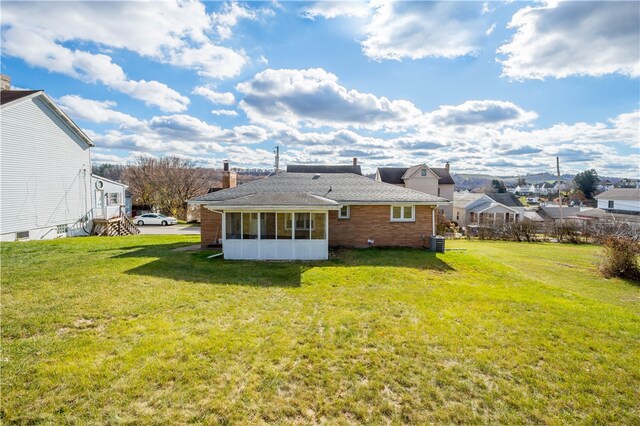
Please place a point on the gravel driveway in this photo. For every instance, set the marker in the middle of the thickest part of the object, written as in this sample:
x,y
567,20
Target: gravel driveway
x,y
171,229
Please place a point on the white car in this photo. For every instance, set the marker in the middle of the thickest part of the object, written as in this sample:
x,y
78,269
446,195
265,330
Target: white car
x,y
154,219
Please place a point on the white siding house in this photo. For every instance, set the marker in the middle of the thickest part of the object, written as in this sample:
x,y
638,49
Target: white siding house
x,y
45,164
620,200
109,198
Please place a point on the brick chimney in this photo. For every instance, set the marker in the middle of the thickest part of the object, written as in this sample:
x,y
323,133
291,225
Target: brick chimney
x,y
446,166
5,82
355,161
229,178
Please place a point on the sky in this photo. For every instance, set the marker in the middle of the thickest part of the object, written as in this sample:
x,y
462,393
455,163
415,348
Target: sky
x,y
491,87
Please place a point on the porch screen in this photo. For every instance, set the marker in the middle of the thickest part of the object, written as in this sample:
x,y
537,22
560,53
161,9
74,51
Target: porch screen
x,y
317,226
249,226
267,226
233,225
284,226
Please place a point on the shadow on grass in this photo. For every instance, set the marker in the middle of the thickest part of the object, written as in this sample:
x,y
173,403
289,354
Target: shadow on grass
x,y
195,267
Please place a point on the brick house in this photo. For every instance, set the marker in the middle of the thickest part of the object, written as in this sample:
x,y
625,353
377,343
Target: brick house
x,y
299,215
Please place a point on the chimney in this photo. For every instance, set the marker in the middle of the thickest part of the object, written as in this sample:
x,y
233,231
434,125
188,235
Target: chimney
x,y
355,161
446,166
229,179
5,83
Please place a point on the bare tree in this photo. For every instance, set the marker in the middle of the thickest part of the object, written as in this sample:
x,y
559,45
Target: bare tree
x,y
166,183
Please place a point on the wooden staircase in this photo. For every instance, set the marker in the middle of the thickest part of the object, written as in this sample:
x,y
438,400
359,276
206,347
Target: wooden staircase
x,y
120,225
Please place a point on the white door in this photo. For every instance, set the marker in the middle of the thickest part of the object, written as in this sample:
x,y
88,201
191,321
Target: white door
x,y
99,211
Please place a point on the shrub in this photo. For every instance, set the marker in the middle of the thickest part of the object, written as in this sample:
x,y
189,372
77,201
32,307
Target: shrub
x,y
621,258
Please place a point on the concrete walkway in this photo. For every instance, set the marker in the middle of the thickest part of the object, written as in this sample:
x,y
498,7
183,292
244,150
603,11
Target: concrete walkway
x,y
169,230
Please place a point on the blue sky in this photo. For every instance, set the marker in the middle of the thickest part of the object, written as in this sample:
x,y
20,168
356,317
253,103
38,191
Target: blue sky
x,y
492,87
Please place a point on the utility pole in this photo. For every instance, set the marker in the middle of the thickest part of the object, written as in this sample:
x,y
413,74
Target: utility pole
x,y
277,163
559,189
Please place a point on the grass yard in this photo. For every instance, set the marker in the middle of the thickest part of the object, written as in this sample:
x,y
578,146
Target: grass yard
x,y
124,330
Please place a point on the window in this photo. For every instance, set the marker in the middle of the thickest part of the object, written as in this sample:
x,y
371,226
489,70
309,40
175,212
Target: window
x,y
62,229
402,213
423,172
438,192
610,204
457,215
344,213
24,235
113,199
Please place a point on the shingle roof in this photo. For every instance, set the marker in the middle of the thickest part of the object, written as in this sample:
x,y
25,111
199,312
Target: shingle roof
x,y
444,175
620,194
289,199
7,96
322,168
554,211
340,187
506,199
394,175
461,199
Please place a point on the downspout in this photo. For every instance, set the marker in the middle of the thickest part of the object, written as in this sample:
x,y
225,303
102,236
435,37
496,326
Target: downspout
x,y
433,221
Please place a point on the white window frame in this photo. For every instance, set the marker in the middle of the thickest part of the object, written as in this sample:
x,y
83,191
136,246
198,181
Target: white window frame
x,y
347,216
402,211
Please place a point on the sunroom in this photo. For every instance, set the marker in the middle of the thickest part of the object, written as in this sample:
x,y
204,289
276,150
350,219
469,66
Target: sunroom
x,y
276,227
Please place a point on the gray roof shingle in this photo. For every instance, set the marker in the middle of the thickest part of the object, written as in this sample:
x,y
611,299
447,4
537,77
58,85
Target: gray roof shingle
x,y
620,194
340,187
394,175
289,199
322,168
505,198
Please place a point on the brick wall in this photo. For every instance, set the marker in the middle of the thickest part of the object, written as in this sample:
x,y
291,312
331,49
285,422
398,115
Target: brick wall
x,y
210,226
375,222
365,222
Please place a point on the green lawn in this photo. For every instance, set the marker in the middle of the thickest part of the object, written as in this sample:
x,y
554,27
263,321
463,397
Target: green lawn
x,y
124,330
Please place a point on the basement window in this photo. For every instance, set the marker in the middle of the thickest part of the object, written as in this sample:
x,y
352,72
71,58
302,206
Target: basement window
x,y
22,235
403,214
344,213
62,229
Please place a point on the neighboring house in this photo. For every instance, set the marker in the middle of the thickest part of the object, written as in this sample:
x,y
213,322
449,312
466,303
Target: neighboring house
x,y
430,180
46,187
299,215
109,199
601,215
620,200
471,209
606,185
551,213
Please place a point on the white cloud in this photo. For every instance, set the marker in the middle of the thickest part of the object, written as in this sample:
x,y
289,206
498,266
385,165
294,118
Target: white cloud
x,y
172,32
418,30
209,92
482,113
335,9
95,111
314,98
228,18
573,38
228,112
36,50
